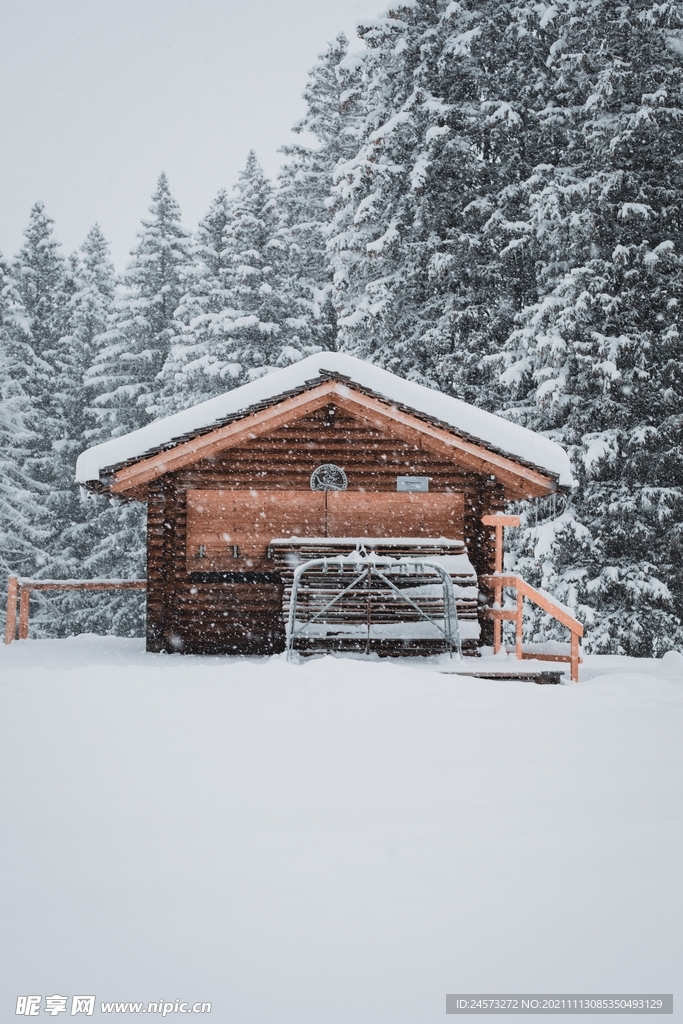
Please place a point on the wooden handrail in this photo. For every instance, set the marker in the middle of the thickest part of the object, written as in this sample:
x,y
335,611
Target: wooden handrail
x,y
498,581
539,597
82,584
18,587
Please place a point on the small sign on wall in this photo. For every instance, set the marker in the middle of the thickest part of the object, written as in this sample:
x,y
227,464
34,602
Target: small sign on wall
x,y
412,483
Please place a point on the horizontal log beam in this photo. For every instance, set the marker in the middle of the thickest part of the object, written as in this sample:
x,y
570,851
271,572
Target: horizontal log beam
x,y
83,584
499,614
499,519
541,656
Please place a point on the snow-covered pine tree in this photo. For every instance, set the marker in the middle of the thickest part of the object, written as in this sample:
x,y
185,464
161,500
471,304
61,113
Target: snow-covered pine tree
x,y
195,369
34,321
89,306
43,284
597,358
304,186
98,537
24,522
138,341
373,216
614,328
239,316
421,280
492,70
261,325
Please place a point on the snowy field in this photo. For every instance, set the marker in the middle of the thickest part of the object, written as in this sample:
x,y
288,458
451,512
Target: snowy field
x,y
342,841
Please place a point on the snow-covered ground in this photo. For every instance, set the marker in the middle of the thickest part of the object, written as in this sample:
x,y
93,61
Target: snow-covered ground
x,y
338,841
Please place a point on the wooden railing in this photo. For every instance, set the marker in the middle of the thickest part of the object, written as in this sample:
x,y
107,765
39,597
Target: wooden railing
x,y
19,590
496,583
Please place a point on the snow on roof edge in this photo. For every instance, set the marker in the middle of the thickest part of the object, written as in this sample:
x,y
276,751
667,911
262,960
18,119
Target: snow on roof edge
x,y
507,437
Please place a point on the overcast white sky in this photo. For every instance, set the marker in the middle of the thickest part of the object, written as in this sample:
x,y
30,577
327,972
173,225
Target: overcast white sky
x,y
99,96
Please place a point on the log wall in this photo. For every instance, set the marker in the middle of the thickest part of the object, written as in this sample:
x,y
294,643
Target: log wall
x,y
239,611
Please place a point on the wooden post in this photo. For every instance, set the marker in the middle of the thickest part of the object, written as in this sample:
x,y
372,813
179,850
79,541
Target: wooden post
x,y
499,547
519,625
575,657
499,520
11,621
497,623
24,594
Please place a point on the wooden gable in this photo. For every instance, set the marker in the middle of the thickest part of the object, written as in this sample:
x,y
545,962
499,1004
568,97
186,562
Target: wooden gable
x,y
404,432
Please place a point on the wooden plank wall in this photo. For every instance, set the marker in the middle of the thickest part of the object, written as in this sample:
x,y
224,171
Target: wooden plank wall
x,y
207,615
231,530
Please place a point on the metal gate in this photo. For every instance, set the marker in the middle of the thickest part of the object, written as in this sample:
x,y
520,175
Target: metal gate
x,y
364,602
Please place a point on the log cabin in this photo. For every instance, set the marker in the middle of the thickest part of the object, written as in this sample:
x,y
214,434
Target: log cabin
x,y
326,455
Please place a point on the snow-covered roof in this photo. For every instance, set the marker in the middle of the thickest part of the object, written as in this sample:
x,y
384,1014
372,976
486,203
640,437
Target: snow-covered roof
x,y
493,431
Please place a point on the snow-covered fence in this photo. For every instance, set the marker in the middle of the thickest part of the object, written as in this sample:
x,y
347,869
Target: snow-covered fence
x,y
19,592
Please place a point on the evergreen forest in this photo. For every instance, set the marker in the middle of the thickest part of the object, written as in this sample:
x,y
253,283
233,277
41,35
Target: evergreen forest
x,y
483,197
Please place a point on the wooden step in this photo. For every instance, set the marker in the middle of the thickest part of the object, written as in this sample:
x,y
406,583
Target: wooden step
x,y
542,676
